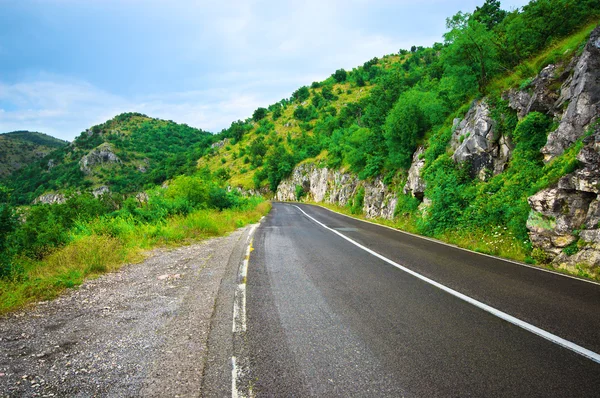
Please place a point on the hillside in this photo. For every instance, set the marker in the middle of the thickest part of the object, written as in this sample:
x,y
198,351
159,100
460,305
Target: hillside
x,y
20,148
123,155
472,141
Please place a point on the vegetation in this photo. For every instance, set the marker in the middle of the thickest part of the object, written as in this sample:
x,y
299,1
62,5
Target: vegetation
x,y
20,148
150,151
371,119
60,245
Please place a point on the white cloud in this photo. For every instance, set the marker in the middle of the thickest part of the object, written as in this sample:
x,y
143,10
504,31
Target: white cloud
x,y
64,109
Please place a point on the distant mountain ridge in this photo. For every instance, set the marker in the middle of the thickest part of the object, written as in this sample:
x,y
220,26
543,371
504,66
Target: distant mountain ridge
x,y
21,148
124,155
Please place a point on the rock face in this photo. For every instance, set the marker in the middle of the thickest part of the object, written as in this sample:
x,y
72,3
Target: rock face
x,y
573,205
50,198
539,95
474,141
415,184
582,93
100,191
102,154
334,186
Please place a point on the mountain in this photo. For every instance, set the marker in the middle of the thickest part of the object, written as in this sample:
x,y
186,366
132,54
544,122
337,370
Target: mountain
x,y
122,155
20,148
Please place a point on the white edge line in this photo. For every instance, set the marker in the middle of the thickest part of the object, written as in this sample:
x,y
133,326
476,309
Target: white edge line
x,y
508,260
234,375
502,315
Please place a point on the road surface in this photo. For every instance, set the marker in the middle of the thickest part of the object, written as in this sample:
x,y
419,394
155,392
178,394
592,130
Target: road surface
x,y
327,317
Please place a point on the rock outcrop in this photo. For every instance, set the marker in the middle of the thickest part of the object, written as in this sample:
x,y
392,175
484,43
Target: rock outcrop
x,y
570,212
415,184
321,184
582,93
101,155
475,141
50,198
100,191
539,95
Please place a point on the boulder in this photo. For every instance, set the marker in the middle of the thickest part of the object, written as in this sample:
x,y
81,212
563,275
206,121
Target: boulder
x,y
322,184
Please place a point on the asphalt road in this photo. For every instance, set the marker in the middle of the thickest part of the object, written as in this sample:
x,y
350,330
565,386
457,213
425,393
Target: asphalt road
x,y
327,318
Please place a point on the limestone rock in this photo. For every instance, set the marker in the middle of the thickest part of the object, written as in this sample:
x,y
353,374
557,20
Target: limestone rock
x,y
220,144
334,186
100,191
572,205
50,198
538,96
474,141
582,92
415,184
102,154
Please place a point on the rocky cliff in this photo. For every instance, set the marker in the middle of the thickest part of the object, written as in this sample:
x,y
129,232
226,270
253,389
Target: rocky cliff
x,y
564,219
321,184
581,93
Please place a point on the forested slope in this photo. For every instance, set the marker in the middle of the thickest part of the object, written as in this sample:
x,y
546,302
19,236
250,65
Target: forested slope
x,y
20,148
449,141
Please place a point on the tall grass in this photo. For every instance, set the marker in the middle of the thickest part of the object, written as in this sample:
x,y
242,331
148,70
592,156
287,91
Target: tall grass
x,y
105,244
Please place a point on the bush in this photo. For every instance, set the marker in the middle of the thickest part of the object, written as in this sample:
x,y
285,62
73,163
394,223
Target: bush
x,y
358,201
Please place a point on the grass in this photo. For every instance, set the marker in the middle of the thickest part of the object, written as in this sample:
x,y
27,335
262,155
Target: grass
x,y
560,51
105,245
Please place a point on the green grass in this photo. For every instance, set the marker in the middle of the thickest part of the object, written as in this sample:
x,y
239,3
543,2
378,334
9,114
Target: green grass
x,y
105,245
559,52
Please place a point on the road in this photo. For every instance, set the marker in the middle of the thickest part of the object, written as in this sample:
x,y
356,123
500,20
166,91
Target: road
x,y
325,317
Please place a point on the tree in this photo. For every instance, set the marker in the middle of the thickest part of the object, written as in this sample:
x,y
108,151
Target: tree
x,y
490,14
471,44
259,114
340,75
301,94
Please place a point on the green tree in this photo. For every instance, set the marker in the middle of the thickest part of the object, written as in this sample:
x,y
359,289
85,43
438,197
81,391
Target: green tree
x,y
301,94
470,43
340,75
259,114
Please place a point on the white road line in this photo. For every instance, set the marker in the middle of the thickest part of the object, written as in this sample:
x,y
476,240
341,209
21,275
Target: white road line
x,y
439,242
239,313
502,315
234,376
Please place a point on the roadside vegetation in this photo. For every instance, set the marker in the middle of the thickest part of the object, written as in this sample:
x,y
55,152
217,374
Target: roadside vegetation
x,y
58,246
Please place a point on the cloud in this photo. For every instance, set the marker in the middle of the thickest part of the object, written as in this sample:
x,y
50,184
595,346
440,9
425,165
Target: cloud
x,y
65,108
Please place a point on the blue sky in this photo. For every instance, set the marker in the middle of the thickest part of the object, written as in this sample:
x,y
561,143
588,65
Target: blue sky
x,y
66,65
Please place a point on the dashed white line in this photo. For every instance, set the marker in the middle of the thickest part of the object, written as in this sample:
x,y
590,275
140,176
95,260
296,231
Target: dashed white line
x,y
502,315
234,377
239,312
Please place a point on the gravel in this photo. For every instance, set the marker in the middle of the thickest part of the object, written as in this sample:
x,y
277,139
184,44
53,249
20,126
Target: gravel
x,y
142,331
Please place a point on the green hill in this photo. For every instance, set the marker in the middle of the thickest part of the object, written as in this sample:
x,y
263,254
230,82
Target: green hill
x,y
482,121
20,148
125,154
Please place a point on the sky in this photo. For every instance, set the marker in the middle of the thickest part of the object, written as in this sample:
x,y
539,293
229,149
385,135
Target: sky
x,y
66,65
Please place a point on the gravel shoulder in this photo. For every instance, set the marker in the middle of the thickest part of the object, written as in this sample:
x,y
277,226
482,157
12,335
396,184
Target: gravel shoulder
x,y
142,331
